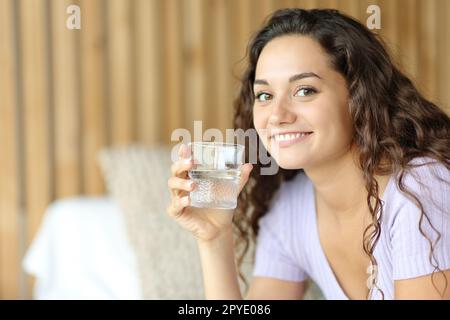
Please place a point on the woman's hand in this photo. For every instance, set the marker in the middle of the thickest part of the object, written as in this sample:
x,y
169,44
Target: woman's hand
x,y
205,224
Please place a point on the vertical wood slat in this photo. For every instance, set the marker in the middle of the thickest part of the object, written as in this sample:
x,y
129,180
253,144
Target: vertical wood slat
x,y
66,102
210,67
195,70
173,72
389,26
94,128
36,102
287,3
350,7
259,11
148,77
240,30
326,4
246,21
427,54
276,5
408,42
122,106
307,4
223,100
442,54
266,7
9,170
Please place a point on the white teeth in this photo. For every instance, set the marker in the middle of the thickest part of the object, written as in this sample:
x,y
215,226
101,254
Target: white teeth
x,y
288,136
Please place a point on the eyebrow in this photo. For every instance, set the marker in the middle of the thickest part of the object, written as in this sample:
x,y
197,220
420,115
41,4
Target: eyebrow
x,y
291,79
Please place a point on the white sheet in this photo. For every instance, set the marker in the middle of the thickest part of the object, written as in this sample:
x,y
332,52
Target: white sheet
x,y
82,252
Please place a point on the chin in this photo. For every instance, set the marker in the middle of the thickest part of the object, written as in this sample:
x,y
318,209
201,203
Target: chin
x,y
290,163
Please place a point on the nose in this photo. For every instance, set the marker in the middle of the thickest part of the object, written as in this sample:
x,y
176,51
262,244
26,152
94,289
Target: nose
x,y
281,113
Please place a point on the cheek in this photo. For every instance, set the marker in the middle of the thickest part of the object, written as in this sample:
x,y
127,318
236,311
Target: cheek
x,y
318,115
332,121
343,122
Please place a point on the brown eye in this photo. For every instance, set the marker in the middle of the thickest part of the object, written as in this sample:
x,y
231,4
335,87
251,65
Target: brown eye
x,y
304,92
263,96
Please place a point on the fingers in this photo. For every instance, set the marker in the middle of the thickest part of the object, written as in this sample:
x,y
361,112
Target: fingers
x,y
180,167
184,164
177,184
177,206
246,169
184,151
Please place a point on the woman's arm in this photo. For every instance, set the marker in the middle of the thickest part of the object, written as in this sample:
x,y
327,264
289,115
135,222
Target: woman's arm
x,y
421,288
220,275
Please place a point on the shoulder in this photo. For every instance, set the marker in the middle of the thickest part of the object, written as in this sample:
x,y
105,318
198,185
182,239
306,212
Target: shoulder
x,y
428,181
419,201
428,171
414,226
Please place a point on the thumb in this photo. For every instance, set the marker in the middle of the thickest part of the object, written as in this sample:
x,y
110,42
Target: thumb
x,y
246,169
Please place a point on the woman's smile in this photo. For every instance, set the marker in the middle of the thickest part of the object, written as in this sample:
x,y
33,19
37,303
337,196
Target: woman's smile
x,y
287,139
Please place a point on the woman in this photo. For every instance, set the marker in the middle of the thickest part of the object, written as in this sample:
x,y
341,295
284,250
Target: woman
x,y
361,202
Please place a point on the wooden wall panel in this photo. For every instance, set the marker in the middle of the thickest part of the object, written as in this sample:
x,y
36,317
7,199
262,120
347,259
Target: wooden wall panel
x,y
389,25
173,70
66,102
442,54
427,52
409,41
195,70
94,117
222,99
36,86
9,161
121,71
148,51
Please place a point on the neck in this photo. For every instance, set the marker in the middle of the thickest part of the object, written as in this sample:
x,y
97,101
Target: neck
x,y
339,186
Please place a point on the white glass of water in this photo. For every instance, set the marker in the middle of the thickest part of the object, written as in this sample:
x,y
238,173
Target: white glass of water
x,y
216,171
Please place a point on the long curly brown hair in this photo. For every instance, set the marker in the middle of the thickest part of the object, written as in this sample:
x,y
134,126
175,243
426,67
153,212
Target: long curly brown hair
x,y
392,122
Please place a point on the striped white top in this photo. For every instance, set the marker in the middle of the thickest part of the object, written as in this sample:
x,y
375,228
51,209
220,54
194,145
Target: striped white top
x,y
288,245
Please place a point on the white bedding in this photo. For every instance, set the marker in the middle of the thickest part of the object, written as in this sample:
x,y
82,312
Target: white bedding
x,y
82,252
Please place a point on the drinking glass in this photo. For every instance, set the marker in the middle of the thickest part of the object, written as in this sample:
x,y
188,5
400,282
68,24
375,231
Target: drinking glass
x,y
216,171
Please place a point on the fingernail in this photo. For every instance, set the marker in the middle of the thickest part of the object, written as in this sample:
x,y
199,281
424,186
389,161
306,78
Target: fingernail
x,y
191,185
187,161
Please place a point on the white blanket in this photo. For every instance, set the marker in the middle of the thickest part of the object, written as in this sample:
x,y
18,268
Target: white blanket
x,y
82,252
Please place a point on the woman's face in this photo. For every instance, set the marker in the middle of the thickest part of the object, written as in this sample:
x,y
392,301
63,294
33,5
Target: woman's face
x,y
298,93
